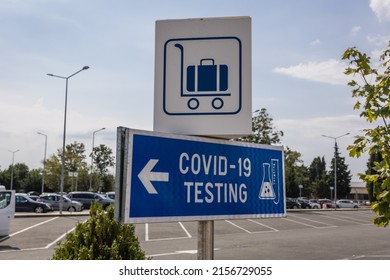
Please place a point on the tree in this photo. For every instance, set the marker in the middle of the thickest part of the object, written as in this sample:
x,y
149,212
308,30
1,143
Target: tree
x,y
103,159
319,178
263,131
75,164
33,181
296,173
370,170
343,175
53,173
372,91
100,238
75,157
20,173
75,167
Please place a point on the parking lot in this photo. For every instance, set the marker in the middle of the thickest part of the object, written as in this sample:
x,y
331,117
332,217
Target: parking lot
x,y
317,235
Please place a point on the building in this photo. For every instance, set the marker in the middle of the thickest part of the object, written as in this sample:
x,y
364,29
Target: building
x,y
358,191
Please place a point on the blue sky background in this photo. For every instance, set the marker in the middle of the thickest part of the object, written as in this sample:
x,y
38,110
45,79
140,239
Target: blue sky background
x,y
296,68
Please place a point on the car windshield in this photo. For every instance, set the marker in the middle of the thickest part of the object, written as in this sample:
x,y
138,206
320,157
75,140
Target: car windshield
x,y
100,196
28,198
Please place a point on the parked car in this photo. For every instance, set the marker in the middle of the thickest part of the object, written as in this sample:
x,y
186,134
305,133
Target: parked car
x,y
292,204
314,204
110,195
327,202
344,203
54,200
304,203
86,198
24,203
33,193
33,197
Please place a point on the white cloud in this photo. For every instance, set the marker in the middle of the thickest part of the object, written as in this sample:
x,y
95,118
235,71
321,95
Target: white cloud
x,y
355,30
381,8
305,136
330,71
378,40
315,42
20,120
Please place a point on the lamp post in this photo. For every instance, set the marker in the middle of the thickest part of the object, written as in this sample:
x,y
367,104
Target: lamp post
x,y
44,161
335,163
64,134
300,190
331,192
93,143
12,166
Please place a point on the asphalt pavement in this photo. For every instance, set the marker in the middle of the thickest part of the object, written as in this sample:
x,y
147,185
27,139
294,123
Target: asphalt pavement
x,y
301,235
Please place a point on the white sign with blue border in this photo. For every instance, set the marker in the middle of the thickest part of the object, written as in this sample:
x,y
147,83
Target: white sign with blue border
x,y
203,76
184,178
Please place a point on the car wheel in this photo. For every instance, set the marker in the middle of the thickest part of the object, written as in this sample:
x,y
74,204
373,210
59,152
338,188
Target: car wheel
x,y
295,207
72,209
38,209
315,207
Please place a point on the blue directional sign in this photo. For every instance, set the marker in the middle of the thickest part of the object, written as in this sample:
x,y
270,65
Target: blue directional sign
x,y
184,178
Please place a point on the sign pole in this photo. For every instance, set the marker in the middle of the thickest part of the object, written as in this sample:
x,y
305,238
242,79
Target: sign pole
x,y
205,240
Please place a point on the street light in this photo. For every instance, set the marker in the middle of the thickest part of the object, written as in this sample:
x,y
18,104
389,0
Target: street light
x,y
331,192
44,161
335,163
64,134
12,166
93,143
300,190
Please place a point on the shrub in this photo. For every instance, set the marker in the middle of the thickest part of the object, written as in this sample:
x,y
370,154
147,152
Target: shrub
x,y
100,238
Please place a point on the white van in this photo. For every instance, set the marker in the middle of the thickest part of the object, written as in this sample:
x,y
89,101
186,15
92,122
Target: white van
x,y
7,210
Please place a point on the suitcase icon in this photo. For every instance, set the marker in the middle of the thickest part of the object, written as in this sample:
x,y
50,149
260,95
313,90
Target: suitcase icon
x,y
207,76
204,80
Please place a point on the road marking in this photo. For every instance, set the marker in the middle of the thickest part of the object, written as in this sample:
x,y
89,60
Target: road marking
x,y
185,230
286,219
256,222
21,250
251,232
38,248
59,238
147,239
357,257
346,220
237,226
190,252
23,230
314,221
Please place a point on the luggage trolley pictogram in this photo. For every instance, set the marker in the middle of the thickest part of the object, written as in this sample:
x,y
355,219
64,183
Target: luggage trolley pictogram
x,y
205,82
205,79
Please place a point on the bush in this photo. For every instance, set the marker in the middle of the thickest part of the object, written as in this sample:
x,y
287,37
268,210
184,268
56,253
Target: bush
x,y
100,238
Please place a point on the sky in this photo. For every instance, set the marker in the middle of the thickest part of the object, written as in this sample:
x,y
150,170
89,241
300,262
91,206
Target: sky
x,y
297,71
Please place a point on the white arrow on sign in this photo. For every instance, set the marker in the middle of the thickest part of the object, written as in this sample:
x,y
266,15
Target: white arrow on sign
x,y
147,176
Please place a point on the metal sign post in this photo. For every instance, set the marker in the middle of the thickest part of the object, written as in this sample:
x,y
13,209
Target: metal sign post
x,y
206,240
